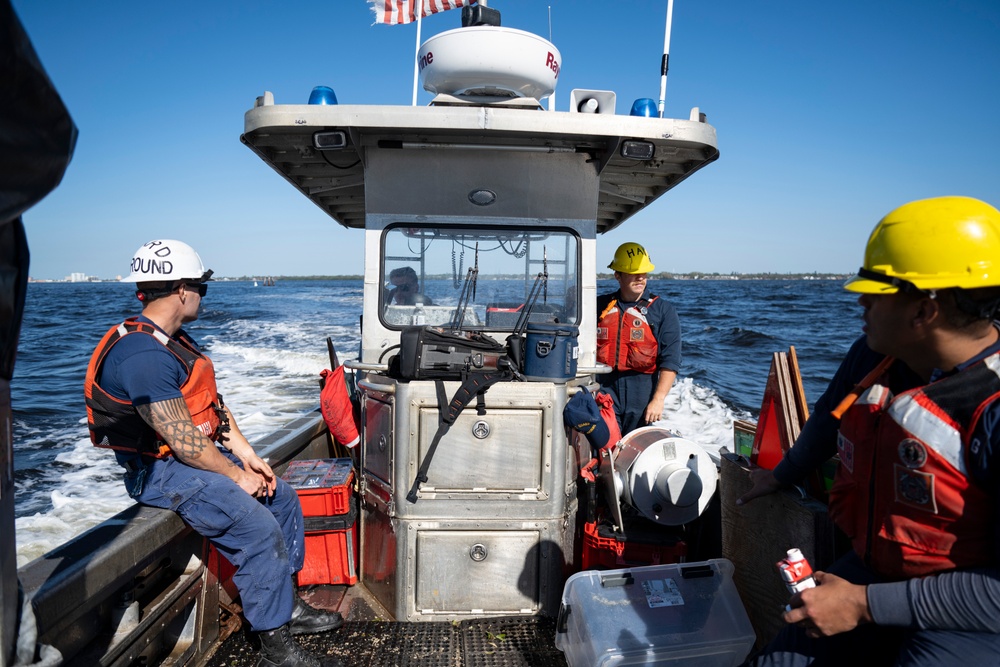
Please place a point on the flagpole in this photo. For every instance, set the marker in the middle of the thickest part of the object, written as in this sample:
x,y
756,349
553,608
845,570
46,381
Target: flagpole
x,y
416,51
665,63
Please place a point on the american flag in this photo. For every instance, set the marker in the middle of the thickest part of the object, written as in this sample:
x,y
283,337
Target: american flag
x,y
395,12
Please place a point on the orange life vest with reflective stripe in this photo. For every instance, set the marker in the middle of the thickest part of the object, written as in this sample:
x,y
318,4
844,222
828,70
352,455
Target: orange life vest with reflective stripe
x,y
903,491
625,341
116,424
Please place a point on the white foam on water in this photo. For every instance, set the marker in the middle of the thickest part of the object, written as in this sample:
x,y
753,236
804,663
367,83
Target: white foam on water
x,y
89,490
697,414
265,359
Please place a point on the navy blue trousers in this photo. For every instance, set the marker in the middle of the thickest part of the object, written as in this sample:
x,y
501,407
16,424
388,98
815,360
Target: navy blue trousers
x,y
631,393
263,537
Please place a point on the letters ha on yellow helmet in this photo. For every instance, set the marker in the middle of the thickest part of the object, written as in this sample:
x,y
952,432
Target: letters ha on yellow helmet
x,y
631,258
932,244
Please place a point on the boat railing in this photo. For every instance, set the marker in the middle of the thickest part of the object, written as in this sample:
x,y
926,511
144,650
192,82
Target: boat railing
x,y
355,365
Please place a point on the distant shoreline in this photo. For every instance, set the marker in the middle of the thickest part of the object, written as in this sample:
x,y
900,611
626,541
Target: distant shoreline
x,y
696,275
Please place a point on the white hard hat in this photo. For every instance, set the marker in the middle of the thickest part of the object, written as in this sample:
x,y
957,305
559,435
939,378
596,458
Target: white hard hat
x,y
166,260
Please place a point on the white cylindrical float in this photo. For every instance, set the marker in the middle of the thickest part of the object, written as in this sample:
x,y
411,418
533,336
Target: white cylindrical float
x,y
668,479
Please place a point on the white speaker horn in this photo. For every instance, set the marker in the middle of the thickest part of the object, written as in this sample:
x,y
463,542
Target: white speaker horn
x,y
592,101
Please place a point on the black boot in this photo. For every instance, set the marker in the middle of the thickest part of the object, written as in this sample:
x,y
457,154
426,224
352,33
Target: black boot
x,y
279,649
308,620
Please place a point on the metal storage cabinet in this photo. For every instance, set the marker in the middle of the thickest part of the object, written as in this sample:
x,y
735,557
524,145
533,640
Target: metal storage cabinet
x,y
429,570
514,461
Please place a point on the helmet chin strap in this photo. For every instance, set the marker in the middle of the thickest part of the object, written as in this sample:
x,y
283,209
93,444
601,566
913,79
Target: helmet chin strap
x,y
147,295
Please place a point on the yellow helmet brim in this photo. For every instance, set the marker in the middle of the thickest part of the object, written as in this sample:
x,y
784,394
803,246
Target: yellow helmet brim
x,y
866,286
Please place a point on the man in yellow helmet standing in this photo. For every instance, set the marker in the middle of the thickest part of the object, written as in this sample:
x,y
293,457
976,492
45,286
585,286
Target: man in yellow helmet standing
x,y
917,491
639,336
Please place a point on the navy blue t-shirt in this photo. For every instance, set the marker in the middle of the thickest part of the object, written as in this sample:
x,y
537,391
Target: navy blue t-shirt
x,y
140,369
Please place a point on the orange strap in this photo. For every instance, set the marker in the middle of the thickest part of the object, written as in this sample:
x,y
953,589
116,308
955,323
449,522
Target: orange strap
x,y
860,387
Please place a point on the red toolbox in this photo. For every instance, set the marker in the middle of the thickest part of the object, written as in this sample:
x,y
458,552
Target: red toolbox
x,y
603,549
331,549
323,485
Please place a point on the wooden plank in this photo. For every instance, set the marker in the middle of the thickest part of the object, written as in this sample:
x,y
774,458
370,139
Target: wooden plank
x,y
789,414
757,535
800,390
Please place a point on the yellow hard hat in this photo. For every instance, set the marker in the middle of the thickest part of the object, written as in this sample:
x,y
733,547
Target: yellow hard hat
x,y
932,244
631,258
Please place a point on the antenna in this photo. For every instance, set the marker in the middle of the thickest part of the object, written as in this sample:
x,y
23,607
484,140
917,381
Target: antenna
x,y
665,63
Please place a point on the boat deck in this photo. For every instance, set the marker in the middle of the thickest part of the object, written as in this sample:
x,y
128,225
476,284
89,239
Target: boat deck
x,y
368,640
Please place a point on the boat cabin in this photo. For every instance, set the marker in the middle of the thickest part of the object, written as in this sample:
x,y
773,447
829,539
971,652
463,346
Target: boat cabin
x,y
480,214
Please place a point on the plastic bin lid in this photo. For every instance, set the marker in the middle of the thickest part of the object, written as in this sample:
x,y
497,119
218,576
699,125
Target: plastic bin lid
x,y
318,473
686,609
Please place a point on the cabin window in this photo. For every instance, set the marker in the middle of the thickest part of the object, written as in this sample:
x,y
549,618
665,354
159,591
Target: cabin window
x,y
497,275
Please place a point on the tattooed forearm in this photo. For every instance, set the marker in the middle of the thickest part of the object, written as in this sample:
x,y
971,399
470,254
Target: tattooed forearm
x,y
172,420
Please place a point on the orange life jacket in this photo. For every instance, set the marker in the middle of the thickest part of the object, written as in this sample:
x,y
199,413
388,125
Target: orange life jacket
x,y
625,341
903,491
116,424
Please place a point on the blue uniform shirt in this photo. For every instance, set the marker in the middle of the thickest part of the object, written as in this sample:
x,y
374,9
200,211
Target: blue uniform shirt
x,y
140,369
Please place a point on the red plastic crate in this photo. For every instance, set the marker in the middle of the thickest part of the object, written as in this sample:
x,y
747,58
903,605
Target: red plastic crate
x,y
609,552
323,485
331,550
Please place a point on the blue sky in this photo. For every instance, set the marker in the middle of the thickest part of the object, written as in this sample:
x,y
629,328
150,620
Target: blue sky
x,y
828,114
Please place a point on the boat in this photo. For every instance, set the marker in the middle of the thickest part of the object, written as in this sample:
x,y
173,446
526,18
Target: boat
x,y
498,202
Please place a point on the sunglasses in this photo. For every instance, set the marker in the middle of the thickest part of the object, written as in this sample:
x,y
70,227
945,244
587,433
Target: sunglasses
x,y
200,288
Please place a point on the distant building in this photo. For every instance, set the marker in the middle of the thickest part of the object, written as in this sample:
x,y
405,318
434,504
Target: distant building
x,y
82,278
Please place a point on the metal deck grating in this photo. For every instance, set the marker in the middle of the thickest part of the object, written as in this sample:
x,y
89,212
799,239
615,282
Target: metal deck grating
x,y
496,642
510,642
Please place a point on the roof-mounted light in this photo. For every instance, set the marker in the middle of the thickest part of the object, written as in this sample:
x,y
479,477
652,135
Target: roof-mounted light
x,y
333,140
322,95
643,106
638,150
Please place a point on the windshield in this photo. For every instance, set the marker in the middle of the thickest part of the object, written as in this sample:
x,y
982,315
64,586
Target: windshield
x,y
494,272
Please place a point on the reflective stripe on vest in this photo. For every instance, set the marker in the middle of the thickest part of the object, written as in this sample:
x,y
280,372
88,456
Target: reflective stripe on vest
x,y
903,493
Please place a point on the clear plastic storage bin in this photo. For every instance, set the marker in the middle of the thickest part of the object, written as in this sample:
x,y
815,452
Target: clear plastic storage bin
x,y
675,614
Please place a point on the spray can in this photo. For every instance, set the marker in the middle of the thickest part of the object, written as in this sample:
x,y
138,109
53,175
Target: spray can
x,y
796,572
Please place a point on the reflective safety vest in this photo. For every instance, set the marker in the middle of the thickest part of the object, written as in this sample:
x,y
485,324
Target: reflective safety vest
x,y
116,424
903,492
625,341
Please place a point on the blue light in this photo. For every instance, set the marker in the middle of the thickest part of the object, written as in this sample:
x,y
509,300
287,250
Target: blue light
x,y
643,106
322,95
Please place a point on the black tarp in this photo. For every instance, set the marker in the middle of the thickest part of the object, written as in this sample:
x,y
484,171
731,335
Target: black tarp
x,y
37,137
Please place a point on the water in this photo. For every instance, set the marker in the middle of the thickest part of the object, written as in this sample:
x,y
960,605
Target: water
x,y
269,345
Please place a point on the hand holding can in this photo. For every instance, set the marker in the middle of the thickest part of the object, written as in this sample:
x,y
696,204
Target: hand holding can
x,y
796,572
